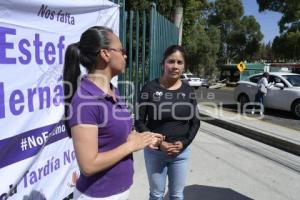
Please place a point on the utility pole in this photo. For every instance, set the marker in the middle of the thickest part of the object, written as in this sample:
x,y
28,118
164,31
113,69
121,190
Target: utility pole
x,y
178,20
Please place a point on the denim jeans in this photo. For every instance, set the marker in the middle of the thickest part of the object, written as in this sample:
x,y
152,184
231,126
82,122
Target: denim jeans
x,y
159,166
259,98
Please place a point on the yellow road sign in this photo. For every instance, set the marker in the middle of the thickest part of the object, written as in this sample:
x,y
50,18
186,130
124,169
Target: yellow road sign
x,y
241,66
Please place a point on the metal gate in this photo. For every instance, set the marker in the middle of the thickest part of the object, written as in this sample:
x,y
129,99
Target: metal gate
x,y
145,35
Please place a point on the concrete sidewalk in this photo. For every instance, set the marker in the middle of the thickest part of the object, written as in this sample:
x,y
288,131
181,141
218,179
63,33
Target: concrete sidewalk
x,y
220,170
253,127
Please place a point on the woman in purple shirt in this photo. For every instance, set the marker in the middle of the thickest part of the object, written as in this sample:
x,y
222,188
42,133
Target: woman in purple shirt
x,y
97,118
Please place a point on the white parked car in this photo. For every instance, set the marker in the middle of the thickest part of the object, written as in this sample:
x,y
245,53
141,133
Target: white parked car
x,y
191,79
284,95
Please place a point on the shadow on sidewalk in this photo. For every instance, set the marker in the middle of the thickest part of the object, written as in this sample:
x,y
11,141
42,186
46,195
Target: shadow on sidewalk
x,y
199,192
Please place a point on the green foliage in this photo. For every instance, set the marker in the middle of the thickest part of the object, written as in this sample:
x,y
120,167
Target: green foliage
x,y
245,40
240,35
228,11
289,8
137,5
193,11
265,53
201,41
287,46
202,49
213,32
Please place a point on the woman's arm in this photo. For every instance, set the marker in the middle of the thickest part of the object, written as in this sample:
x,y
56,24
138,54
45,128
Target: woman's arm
x,y
194,125
178,146
267,84
142,111
141,118
85,140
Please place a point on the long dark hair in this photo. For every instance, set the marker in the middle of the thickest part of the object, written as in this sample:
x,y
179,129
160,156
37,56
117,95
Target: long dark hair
x,y
172,49
85,53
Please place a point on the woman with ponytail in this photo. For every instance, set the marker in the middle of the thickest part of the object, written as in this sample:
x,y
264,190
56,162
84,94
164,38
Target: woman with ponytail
x,y
97,118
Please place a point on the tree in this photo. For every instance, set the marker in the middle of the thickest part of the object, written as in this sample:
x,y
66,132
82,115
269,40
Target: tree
x,y
225,16
191,10
287,46
290,10
240,35
195,15
202,49
253,36
266,53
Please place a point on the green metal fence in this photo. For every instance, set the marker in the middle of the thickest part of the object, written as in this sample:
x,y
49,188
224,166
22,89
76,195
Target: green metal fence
x,y
145,35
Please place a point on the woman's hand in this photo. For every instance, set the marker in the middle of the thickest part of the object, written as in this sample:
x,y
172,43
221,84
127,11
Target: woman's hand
x,y
156,140
179,145
137,141
171,149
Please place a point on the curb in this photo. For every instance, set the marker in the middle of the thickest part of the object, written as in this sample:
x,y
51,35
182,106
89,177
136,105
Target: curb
x,y
255,135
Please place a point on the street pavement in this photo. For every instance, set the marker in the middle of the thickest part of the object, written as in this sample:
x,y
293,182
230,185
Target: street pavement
x,y
252,126
218,107
228,166
224,98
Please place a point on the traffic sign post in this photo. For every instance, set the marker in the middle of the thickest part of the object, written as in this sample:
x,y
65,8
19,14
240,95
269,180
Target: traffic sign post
x,y
241,66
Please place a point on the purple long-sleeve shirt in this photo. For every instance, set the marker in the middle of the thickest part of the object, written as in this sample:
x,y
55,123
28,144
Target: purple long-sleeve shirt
x,y
90,105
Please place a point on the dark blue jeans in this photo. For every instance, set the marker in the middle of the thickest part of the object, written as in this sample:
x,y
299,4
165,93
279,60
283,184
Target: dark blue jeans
x,y
259,98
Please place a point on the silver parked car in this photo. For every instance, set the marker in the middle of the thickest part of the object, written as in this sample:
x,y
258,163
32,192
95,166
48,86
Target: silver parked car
x,y
284,95
191,80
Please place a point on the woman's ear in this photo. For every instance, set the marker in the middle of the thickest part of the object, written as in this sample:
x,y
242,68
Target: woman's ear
x,y
104,54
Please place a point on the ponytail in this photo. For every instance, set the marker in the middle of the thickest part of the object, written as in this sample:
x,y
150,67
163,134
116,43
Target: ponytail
x,y
71,72
84,52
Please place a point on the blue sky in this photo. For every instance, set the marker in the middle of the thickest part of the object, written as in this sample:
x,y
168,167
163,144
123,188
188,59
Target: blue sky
x,y
268,20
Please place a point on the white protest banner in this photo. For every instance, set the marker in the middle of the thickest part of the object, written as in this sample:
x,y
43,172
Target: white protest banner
x,y
37,159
